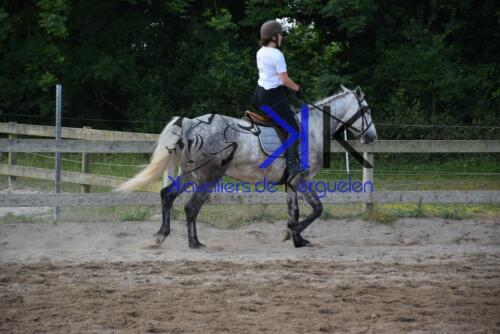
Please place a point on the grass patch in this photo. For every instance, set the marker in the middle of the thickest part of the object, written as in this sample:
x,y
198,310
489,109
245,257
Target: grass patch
x,y
453,213
135,214
379,215
107,214
445,211
237,216
341,211
11,218
405,210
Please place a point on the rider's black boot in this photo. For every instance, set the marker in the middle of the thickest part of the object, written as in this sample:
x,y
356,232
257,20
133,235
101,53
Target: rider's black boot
x,y
292,162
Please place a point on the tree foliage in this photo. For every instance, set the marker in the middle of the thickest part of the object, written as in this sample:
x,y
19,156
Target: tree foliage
x,y
136,63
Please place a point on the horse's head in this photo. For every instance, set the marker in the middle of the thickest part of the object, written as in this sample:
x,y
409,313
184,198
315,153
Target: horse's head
x,y
357,117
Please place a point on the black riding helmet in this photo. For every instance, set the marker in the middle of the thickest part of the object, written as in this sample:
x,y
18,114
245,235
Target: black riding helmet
x,y
269,32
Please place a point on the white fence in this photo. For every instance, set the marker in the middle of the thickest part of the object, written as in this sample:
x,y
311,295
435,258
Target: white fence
x,y
88,141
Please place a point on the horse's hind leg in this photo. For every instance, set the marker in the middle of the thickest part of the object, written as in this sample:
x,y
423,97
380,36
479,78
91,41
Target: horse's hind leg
x,y
192,209
168,195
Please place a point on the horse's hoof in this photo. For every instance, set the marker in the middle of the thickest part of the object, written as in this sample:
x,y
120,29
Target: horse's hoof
x,y
304,243
300,242
159,238
286,235
196,245
150,244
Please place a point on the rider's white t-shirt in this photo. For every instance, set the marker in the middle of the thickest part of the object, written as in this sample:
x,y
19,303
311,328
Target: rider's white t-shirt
x,y
270,62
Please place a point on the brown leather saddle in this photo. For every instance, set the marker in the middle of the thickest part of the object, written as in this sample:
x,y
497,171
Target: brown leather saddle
x,y
264,120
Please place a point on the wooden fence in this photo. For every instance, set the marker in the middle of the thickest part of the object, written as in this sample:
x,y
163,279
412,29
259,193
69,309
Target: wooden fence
x,y
86,141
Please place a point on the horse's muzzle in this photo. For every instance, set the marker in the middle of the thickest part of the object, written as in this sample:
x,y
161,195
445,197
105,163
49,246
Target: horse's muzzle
x,y
369,138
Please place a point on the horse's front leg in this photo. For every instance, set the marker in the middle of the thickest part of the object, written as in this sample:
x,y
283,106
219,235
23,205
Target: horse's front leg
x,y
293,211
312,199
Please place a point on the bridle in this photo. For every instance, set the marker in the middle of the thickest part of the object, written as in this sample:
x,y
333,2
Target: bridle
x,y
360,113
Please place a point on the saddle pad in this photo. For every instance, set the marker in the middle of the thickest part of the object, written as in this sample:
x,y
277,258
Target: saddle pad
x,y
269,139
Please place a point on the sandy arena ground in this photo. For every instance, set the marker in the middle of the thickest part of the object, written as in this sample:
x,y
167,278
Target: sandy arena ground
x,y
417,276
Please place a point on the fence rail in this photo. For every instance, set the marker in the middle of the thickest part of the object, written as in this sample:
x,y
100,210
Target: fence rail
x,y
70,177
423,146
85,133
75,146
87,141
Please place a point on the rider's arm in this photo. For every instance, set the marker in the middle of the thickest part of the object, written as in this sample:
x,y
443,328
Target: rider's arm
x,y
288,82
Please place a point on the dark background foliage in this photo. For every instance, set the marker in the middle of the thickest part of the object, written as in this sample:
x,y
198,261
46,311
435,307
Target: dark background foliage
x,y
135,63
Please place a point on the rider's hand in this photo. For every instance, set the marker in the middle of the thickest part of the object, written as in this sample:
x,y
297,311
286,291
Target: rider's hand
x,y
299,94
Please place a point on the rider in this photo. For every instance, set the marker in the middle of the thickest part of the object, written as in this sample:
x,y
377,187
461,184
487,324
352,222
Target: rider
x,y
272,86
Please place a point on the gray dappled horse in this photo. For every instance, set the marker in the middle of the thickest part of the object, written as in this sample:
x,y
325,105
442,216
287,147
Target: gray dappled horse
x,y
208,147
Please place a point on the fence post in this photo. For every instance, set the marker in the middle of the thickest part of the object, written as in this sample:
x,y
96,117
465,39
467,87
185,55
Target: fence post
x,y
12,159
58,154
368,177
85,188
326,137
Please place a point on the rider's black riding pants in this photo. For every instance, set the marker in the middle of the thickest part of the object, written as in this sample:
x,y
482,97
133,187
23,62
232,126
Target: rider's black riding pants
x,y
276,99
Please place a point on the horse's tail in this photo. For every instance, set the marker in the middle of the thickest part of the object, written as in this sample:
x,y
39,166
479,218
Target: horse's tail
x,y
166,155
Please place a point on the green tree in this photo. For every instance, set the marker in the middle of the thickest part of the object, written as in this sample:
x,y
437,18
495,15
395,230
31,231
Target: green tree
x,y
136,63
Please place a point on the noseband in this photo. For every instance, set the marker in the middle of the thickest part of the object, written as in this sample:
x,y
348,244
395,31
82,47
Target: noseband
x,y
361,113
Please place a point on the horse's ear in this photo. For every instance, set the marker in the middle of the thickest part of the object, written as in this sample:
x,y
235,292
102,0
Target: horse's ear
x,y
343,88
359,92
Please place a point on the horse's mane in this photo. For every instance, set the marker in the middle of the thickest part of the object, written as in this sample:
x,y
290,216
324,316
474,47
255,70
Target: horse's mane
x,y
327,99
332,97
